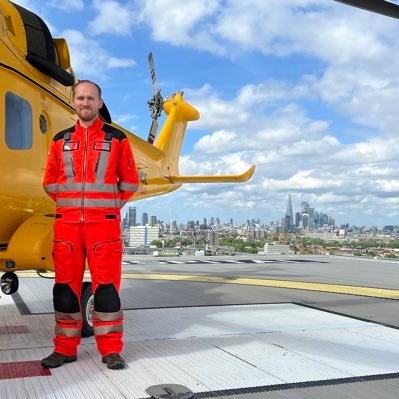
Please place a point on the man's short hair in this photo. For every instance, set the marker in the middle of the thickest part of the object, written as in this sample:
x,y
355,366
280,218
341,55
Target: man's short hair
x,y
86,81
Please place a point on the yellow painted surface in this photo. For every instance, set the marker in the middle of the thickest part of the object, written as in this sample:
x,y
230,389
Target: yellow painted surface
x,y
298,285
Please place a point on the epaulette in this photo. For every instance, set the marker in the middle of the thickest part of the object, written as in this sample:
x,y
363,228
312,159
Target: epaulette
x,y
64,134
112,132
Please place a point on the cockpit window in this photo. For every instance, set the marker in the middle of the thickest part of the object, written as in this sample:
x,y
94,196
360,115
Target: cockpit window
x,y
18,122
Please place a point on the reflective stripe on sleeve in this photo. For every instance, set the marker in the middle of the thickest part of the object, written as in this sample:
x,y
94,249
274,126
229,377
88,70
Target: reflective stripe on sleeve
x,y
128,186
51,188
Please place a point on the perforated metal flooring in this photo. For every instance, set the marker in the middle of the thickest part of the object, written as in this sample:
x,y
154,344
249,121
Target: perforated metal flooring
x,y
206,349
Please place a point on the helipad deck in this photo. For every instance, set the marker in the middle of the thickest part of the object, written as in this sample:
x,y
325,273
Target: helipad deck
x,y
208,349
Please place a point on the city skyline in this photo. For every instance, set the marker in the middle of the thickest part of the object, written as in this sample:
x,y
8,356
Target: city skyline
x,y
142,216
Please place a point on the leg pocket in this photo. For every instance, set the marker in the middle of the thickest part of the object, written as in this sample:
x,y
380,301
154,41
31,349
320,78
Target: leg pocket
x,y
107,262
63,261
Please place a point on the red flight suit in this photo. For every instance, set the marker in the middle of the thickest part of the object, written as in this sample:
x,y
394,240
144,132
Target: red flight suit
x,y
90,174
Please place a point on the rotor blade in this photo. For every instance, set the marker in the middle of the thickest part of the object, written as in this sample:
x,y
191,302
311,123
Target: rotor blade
x,y
153,131
379,6
152,70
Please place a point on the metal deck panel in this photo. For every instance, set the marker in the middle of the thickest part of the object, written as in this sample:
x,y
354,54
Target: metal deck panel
x,y
231,320
207,349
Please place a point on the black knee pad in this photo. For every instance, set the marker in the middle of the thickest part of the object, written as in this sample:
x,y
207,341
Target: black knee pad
x,y
65,300
106,298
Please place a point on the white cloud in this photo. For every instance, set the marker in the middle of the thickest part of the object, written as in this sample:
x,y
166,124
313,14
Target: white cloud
x,y
360,78
112,18
293,154
182,23
70,5
89,58
216,141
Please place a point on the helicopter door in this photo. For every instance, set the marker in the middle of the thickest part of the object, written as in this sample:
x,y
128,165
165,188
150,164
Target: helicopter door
x,y
22,147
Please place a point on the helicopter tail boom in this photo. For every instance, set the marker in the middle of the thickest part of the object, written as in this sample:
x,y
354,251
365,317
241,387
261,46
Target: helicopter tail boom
x,y
243,177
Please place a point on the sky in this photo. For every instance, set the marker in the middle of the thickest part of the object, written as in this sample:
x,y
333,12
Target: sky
x,y
306,90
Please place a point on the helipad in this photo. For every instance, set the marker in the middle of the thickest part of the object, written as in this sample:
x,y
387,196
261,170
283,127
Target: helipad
x,y
206,349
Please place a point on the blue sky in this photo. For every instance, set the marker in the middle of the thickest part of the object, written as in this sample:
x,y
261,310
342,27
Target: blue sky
x,y
307,90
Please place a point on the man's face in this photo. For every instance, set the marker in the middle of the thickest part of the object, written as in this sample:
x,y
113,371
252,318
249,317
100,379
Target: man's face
x,y
87,102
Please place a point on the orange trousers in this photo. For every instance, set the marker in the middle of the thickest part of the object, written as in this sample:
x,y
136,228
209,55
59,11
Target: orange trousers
x,y
100,244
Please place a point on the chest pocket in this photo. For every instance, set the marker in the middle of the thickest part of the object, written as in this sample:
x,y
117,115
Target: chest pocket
x,y
71,146
102,146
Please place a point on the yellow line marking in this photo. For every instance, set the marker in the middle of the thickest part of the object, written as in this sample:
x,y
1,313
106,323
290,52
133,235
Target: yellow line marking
x,y
299,285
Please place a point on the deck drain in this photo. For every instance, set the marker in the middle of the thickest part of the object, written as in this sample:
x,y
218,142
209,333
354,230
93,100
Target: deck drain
x,y
169,391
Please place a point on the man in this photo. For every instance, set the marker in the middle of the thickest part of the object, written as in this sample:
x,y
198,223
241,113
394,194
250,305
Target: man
x,y
90,174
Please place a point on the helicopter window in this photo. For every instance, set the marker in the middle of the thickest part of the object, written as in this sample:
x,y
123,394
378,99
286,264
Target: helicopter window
x,y
43,123
18,122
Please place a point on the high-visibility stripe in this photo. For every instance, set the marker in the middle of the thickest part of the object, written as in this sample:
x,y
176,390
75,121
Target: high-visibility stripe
x,y
102,330
51,188
127,186
68,332
89,202
95,187
108,316
89,187
68,164
68,324
102,165
68,316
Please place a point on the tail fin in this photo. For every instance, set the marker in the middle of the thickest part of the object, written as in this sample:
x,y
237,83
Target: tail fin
x,y
172,134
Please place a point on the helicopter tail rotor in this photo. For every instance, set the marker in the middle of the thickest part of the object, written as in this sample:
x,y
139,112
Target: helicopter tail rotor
x,y
155,103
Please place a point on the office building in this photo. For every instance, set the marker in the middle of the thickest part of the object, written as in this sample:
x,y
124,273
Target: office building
x,y
132,216
142,235
153,221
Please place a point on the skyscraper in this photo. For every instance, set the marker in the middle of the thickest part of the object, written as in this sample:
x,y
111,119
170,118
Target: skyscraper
x,y
144,219
289,216
132,216
153,221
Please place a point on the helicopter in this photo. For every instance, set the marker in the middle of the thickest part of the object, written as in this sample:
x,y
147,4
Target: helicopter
x,y
36,80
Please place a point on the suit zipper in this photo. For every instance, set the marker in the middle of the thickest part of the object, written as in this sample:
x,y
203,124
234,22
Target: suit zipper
x,y
84,177
97,162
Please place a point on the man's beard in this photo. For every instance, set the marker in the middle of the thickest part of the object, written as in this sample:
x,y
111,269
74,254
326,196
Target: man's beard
x,y
87,114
